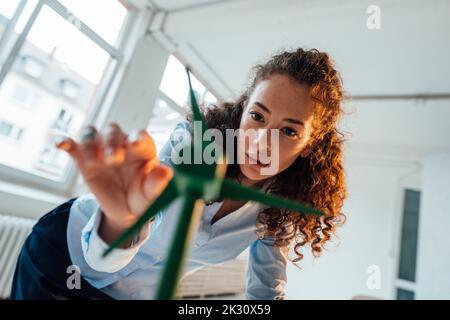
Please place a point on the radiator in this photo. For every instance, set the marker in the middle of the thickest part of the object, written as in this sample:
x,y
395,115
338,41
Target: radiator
x,y
225,279
13,232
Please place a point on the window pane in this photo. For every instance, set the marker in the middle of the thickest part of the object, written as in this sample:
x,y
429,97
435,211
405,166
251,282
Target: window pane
x,y
27,11
163,120
8,7
105,17
408,249
175,83
54,36
405,294
209,98
5,128
50,88
8,39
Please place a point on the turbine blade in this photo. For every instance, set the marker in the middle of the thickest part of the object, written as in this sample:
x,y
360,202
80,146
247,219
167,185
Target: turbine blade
x,y
194,105
166,197
187,225
197,117
235,191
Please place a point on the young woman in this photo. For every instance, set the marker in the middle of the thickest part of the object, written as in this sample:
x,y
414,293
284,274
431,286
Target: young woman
x,y
299,93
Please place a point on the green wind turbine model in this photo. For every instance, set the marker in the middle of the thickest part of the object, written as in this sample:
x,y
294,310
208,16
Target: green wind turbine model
x,y
193,182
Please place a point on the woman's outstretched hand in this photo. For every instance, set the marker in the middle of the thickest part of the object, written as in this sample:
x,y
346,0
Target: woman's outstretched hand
x,y
122,171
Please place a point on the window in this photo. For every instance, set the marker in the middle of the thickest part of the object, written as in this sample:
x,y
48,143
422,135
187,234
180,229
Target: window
x,y
32,66
70,89
112,13
175,85
55,74
405,294
163,119
5,128
7,8
406,276
14,14
19,134
10,131
63,120
171,106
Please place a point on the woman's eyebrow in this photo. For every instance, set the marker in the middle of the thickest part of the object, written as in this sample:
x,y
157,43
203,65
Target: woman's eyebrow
x,y
295,121
259,104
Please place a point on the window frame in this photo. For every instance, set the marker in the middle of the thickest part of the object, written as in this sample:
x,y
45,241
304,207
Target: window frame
x,y
10,27
67,182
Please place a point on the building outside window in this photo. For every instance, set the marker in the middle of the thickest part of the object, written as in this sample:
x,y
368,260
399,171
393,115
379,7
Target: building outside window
x,y
56,59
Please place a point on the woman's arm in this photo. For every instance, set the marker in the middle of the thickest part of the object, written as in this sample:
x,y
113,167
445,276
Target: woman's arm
x,y
93,244
266,273
85,247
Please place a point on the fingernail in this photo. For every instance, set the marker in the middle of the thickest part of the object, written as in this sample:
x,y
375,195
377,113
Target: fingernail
x,y
62,143
88,133
162,172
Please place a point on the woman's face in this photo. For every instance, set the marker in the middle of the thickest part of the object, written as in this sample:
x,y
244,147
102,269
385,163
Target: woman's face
x,y
282,104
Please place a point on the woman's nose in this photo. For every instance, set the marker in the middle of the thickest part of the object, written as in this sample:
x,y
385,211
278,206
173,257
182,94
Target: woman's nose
x,y
264,140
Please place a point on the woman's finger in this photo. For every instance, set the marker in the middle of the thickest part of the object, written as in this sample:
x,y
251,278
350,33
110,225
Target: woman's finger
x,y
156,181
140,146
91,147
68,145
115,143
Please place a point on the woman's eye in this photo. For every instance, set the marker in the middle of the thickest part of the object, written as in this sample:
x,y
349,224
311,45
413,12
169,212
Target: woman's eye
x,y
256,116
289,132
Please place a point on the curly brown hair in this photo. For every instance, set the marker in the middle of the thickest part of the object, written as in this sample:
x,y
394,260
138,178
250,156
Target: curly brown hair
x,y
318,179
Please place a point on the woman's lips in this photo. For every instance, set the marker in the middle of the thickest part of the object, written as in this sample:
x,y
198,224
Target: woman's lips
x,y
256,162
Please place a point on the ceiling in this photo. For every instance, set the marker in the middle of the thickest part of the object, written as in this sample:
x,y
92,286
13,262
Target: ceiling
x,y
407,57
176,5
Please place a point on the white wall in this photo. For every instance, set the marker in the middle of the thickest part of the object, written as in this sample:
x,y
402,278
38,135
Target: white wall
x,y
388,144
433,272
369,237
